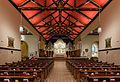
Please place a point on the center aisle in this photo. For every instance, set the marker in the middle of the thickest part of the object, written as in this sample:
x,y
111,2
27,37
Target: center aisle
x,y
60,73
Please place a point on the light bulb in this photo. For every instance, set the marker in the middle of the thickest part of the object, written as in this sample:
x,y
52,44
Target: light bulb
x,y
99,29
21,29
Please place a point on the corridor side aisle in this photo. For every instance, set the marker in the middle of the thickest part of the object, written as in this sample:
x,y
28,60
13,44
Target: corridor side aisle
x,y
60,73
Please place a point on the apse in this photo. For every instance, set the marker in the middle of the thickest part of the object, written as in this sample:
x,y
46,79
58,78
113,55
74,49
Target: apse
x,y
59,48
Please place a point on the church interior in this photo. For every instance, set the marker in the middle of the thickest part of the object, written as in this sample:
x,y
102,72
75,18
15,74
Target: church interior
x,y
59,41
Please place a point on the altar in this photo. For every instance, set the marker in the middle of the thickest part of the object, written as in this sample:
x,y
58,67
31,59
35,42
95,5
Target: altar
x,y
59,48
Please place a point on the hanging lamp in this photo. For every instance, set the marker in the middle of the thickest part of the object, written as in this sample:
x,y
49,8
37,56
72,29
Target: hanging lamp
x,y
99,20
21,24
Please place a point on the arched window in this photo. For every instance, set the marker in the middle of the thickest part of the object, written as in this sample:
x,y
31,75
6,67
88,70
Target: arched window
x,y
95,49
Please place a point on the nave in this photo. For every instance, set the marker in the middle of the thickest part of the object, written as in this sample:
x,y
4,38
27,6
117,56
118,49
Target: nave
x,y
35,34
60,73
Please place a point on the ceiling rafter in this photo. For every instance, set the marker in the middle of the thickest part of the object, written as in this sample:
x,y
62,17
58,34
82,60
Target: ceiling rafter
x,y
60,12
96,4
45,3
57,26
83,3
63,30
55,2
72,23
51,5
74,3
47,28
47,22
62,22
45,18
65,2
24,3
54,19
50,27
68,20
70,27
69,5
64,19
75,18
35,15
38,4
56,8
84,15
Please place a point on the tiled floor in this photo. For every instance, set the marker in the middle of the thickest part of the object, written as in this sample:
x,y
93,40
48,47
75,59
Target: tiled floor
x,y
60,73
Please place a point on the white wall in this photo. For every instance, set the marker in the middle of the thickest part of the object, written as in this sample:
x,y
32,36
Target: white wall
x,y
110,23
111,28
87,44
32,42
8,28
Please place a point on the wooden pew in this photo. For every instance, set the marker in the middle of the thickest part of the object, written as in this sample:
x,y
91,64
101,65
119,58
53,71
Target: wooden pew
x,y
81,68
19,78
41,67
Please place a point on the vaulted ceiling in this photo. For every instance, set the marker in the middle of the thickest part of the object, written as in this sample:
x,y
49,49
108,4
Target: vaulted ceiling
x,y
60,17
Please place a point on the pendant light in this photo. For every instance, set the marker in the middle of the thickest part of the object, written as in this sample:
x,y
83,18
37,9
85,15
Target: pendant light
x,y
21,25
99,20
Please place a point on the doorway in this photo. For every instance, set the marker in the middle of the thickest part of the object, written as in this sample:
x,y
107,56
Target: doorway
x,y
24,49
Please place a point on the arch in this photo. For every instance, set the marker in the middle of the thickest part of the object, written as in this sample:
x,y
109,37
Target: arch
x,y
95,47
24,49
59,48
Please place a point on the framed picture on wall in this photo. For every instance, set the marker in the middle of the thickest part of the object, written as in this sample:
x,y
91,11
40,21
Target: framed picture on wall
x,y
10,42
108,42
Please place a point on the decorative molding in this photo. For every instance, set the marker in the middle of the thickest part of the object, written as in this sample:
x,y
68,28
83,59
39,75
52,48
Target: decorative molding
x,y
109,49
10,49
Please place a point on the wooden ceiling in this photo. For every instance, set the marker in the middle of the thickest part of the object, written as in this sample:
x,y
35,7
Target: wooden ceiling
x,y
60,17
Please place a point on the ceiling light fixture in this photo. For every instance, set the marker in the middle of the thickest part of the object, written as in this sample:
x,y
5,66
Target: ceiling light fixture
x,y
21,25
99,21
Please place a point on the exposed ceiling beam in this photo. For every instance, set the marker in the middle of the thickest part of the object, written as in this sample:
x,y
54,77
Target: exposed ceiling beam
x,y
96,4
24,3
84,15
70,28
38,3
54,19
75,18
68,21
83,3
53,26
46,23
56,8
35,15
45,17
73,24
58,26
